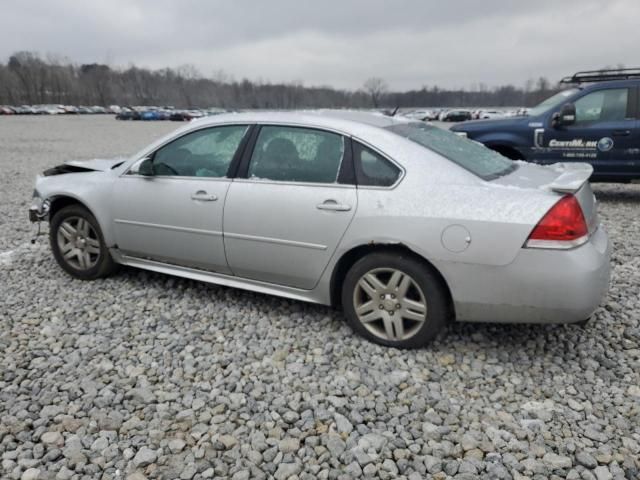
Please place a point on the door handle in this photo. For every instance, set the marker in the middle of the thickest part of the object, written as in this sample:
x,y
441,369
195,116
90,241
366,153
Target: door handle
x,y
621,133
202,196
334,206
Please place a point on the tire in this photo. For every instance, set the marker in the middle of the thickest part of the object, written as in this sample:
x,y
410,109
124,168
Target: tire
x,y
507,152
583,323
75,229
418,315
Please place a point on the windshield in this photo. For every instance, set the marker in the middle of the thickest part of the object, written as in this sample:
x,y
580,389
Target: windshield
x,y
553,101
473,156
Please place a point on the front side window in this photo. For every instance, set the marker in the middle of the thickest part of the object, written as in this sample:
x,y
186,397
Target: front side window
x,y
602,106
292,154
204,153
373,169
472,156
554,101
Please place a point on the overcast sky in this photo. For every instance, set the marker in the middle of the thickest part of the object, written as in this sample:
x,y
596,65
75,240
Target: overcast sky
x,y
409,43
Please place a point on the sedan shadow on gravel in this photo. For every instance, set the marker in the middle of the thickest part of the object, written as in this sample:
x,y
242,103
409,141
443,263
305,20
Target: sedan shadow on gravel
x,y
284,328
509,336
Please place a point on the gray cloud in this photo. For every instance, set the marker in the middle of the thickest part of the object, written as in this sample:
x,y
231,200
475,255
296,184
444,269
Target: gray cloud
x,y
409,43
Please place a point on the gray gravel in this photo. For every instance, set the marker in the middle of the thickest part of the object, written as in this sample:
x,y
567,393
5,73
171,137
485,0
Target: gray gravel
x,y
147,376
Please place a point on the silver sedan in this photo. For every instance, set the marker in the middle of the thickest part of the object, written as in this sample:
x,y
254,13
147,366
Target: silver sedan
x,y
404,225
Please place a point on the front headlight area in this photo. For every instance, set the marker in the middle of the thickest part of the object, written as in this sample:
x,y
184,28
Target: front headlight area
x,y
39,209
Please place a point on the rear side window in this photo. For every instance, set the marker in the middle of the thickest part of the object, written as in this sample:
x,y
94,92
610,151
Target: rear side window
x,y
293,154
602,106
373,169
472,156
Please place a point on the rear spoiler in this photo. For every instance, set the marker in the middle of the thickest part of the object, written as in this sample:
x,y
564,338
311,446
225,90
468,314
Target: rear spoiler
x,y
572,177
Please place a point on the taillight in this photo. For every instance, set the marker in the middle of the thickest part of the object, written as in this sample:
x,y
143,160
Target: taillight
x,y
563,226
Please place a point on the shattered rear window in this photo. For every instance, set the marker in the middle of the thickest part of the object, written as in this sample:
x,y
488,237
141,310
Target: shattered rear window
x,y
473,156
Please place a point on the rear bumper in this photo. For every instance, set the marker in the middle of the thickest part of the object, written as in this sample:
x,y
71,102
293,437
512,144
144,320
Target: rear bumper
x,y
539,286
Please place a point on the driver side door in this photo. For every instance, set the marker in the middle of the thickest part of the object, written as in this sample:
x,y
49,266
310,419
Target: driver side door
x,y
603,133
173,213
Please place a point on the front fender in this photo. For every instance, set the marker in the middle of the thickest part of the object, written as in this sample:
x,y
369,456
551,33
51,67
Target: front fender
x,y
91,189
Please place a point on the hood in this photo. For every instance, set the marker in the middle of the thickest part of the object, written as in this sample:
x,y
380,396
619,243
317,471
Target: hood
x,y
97,164
78,166
495,124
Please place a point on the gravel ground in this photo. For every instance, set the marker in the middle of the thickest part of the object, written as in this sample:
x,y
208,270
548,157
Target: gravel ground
x,y
147,376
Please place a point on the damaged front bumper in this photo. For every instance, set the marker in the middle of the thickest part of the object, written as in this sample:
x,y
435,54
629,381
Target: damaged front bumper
x,y
39,209
38,212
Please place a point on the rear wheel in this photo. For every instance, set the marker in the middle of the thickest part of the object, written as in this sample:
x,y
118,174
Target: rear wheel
x,y
77,244
583,323
394,300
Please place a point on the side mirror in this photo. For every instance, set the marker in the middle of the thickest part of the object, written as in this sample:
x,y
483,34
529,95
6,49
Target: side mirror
x,y
566,115
146,168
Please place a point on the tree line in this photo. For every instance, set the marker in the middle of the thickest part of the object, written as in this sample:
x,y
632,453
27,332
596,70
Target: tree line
x,y
30,78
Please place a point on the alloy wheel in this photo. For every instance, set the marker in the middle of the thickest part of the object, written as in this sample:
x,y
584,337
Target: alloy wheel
x,y
78,243
390,304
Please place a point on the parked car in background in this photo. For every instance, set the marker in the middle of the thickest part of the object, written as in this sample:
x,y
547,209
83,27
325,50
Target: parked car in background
x,y
490,114
179,116
24,109
423,115
125,114
185,115
140,112
596,120
155,115
48,109
330,208
213,111
456,116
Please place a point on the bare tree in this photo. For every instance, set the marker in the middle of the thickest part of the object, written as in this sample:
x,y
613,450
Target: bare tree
x,y
97,81
376,87
25,67
186,76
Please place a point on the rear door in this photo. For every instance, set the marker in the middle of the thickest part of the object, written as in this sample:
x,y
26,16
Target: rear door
x,y
285,218
604,134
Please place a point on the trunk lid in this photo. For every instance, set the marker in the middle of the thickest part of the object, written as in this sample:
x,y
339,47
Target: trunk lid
x,y
557,179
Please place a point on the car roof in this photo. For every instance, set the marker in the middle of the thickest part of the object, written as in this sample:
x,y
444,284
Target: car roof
x,y
366,127
608,84
349,121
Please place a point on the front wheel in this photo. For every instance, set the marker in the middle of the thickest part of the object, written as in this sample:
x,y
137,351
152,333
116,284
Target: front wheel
x,y
77,244
394,300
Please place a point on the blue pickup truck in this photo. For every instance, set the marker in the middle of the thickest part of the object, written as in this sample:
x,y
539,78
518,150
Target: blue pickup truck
x,y
596,121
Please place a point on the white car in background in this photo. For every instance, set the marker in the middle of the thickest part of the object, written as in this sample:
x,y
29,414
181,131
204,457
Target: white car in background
x,y
423,115
491,114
